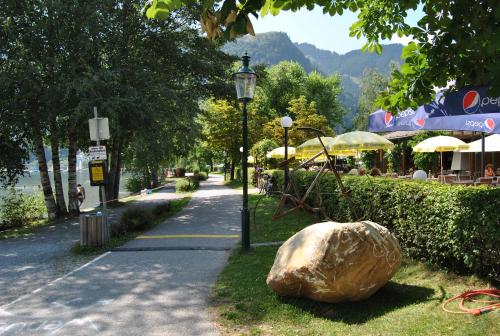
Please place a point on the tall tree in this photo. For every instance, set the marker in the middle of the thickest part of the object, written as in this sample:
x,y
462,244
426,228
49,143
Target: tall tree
x,y
304,114
286,81
221,124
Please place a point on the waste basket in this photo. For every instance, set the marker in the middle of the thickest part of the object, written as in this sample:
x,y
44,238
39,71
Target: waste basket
x,y
94,230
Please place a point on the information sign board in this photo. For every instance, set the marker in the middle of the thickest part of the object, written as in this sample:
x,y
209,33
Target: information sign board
x,y
97,172
97,153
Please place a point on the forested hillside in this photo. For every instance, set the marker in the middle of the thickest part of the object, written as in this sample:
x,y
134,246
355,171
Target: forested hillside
x,y
274,47
269,48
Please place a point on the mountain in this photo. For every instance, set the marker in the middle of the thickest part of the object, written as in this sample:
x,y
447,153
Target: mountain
x,y
274,47
354,62
269,48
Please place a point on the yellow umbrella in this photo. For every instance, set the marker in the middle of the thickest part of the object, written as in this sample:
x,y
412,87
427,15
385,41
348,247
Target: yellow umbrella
x,y
279,153
360,141
312,147
440,144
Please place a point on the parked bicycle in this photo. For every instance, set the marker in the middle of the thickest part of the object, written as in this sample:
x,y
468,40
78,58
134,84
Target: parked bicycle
x,y
266,184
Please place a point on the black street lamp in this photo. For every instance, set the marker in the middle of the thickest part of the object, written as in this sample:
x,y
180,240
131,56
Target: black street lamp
x,y
245,80
286,123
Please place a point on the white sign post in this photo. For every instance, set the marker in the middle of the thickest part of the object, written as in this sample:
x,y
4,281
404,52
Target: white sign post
x,y
99,130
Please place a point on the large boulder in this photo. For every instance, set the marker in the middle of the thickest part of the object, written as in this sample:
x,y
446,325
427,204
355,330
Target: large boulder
x,y
335,262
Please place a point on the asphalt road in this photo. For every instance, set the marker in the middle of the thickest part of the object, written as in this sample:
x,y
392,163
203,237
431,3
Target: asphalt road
x,y
157,285
28,262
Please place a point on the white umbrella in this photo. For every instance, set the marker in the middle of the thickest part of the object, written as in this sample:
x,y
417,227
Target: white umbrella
x,y
491,144
440,144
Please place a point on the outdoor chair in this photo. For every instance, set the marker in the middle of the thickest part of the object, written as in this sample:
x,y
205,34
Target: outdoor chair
x,y
486,180
447,178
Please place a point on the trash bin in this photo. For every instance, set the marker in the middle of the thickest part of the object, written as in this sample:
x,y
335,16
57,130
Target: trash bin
x,y
94,230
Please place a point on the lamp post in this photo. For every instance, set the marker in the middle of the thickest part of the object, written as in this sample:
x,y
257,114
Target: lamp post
x,y
245,80
286,123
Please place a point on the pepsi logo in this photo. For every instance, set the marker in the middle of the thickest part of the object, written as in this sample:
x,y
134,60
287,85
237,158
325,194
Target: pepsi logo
x,y
418,123
471,101
489,124
389,119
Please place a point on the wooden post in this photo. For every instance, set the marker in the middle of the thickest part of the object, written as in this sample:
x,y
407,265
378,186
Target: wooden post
x,y
94,230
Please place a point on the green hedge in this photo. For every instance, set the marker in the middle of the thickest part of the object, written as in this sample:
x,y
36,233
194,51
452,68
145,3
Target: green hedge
x,y
187,184
18,209
451,226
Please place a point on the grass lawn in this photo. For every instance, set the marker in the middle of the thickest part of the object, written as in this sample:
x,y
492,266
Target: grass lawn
x,y
410,304
175,206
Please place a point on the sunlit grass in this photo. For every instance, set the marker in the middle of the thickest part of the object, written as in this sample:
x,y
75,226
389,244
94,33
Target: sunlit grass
x,y
410,304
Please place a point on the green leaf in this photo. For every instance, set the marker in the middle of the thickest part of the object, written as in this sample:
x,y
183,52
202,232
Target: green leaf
x,y
265,9
407,69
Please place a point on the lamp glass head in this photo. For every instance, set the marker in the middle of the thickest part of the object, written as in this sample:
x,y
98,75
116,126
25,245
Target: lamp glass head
x,y
245,80
286,122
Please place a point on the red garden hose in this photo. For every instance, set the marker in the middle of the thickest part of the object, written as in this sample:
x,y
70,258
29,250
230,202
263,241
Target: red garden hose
x,y
469,296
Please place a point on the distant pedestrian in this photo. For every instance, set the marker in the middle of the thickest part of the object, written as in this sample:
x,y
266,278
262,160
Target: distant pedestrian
x,y
80,194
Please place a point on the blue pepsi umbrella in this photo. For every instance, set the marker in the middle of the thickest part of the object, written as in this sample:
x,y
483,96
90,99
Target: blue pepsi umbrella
x,y
469,109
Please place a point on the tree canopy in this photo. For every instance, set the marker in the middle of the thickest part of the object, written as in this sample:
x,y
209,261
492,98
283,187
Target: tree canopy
x,y
453,41
58,59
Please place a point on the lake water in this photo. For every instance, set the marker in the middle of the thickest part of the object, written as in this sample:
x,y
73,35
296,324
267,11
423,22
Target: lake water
x,y
31,183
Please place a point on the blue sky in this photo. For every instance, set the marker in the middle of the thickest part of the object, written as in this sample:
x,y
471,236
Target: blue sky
x,y
324,31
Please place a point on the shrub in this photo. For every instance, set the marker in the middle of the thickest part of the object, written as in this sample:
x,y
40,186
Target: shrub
x,y
161,209
135,183
134,219
451,226
202,176
180,172
187,185
18,209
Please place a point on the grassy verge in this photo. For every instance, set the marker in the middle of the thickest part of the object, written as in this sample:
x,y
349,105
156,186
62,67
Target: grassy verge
x,y
410,304
25,230
264,229
116,241
237,184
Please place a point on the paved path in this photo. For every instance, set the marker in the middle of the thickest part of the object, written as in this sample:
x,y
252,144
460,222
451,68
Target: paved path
x,y
161,291
35,259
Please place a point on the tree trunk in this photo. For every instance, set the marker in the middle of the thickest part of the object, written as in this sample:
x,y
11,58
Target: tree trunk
x,y
50,203
73,204
231,174
113,185
116,190
154,176
58,184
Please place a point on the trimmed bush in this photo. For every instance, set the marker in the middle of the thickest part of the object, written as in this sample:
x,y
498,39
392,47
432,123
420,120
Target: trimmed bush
x,y
18,209
202,176
451,226
135,183
134,219
161,209
187,185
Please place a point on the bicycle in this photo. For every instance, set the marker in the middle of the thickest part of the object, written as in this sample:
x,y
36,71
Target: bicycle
x,y
266,185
